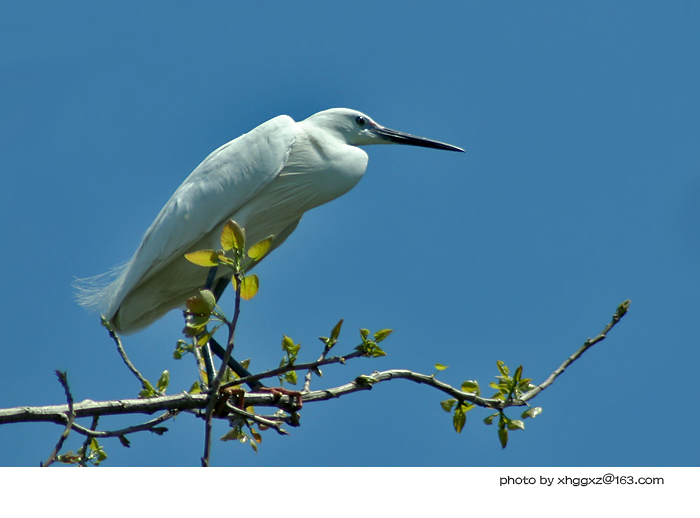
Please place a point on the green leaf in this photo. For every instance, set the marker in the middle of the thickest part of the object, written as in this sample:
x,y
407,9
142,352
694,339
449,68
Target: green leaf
x,y
193,330
503,437
459,419
232,237
502,368
101,456
287,343
335,333
291,377
163,381
232,435
489,420
471,386
532,412
197,320
466,407
249,286
441,367
196,388
258,250
364,333
148,391
207,258
382,334
201,304
70,457
376,352
622,308
223,259
515,424
204,339
448,404
518,374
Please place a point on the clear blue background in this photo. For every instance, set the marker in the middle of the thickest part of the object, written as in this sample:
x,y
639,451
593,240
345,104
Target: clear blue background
x,y
579,188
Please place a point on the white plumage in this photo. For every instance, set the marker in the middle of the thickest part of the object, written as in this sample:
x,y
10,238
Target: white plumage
x,y
264,180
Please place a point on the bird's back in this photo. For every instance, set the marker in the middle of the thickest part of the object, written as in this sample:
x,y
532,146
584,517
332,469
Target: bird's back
x,y
158,278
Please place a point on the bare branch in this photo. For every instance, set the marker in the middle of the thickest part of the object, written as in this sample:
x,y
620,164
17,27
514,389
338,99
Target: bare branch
x,y
314,370
88,408
63,380
366,383
147,426
144,382
621,311
299,367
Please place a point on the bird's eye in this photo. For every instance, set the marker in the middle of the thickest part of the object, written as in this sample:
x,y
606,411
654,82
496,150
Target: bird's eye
x,y
360,121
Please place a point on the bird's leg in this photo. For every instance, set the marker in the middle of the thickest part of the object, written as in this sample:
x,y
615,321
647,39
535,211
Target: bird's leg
x,y
210,279
208,364
234,365
255,385
220,286
278,392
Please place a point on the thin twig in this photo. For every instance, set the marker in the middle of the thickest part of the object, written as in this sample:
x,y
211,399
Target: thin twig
x,y
366,382
314,370
214,387
621,311
270,423
88,439
144,382
299,367
63,380
147,426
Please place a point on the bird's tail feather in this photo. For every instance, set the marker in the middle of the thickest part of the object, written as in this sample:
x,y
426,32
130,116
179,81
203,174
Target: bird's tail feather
x,y
97,293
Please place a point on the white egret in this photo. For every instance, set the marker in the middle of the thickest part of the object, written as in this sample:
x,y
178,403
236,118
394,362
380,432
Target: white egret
x,y
264,180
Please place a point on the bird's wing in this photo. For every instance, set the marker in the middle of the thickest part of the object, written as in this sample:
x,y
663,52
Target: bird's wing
x,y
220,185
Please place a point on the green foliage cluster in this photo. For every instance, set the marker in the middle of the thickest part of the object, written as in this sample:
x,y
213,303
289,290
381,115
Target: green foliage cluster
x,y
369,347
509,388
243,432
89,453
292,350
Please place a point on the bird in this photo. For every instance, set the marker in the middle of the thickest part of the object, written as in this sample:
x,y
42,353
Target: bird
x,y
265,181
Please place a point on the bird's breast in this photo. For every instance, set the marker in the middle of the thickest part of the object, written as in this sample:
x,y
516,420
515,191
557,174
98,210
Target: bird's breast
x,y
312,175
323,170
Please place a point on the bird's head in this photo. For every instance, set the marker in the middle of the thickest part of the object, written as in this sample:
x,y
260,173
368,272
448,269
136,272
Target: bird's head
x,y
358,129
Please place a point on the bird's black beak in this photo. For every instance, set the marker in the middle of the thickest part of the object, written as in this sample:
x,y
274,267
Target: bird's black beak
x,y
411,140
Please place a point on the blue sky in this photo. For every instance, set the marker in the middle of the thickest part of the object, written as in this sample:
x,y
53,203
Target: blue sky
x,y
579,189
